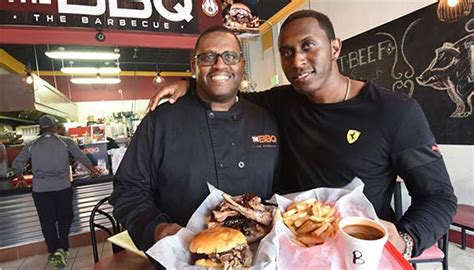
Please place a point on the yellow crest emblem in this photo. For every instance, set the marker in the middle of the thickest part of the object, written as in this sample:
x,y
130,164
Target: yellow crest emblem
x,y
352,136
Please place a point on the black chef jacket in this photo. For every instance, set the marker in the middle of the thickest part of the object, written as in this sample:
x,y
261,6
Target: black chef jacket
x,y
178,149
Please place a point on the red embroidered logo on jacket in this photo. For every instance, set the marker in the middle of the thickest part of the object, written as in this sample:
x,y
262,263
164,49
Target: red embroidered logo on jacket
x,y
264,139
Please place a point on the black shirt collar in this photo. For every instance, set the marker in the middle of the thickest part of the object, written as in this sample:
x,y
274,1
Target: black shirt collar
x,y
235,111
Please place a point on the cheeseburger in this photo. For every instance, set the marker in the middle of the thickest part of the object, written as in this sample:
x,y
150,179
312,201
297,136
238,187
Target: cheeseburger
x,y
221,247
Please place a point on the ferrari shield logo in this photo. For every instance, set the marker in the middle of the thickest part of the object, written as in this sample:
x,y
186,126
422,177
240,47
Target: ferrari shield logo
x,y
352,136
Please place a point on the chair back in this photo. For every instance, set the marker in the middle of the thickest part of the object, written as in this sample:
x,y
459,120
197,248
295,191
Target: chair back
x,y
99,218
436,253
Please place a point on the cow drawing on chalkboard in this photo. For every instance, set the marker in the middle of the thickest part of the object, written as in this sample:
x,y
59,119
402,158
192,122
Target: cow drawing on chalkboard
x,y
450,70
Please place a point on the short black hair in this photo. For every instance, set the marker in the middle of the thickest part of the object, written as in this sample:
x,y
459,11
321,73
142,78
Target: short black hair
x,y
323,21
214,29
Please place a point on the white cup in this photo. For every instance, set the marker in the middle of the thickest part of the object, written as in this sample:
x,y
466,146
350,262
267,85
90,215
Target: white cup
x,y
363,241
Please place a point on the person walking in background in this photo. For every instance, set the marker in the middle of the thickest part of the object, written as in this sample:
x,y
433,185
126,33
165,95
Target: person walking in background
x,y
52,192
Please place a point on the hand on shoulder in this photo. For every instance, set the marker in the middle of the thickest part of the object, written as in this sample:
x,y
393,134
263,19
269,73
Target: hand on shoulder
x,y
173,91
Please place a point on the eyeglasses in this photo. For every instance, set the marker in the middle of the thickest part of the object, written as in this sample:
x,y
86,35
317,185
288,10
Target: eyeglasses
x,y
210,58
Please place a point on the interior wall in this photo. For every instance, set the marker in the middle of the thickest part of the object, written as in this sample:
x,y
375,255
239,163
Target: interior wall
x,y
349,18
130,88
102,109
352,17
460,162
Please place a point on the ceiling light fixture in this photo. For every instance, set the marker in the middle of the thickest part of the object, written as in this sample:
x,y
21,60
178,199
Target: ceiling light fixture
x,y
453,10
247,84
82,55
91,70
29,77
158,79
95,80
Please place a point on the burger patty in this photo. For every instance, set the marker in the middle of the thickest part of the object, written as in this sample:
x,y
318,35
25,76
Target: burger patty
x,y
240,256
251,229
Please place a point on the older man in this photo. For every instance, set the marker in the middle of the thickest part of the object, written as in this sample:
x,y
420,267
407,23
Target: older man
x,y
209,136
335,129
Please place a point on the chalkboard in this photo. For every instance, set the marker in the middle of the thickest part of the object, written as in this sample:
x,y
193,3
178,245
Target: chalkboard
x,y
428,60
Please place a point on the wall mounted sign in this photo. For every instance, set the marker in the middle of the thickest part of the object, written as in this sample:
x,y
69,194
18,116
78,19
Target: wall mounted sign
x,y
240,16
428,60
169,16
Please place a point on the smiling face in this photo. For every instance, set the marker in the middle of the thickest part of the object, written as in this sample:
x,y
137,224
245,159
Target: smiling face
x,y
308,57
218,83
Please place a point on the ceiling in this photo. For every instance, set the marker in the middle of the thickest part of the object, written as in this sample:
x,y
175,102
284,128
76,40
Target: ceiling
x,y
131,59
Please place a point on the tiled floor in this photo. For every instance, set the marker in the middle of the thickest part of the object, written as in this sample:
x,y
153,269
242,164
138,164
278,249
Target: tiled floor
x,y
82,259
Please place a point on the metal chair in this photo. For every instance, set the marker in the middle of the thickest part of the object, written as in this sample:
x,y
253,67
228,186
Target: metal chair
x,y
105,218
436,253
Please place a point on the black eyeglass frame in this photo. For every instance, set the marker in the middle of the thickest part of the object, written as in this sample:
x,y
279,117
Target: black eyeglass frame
x,y
217,55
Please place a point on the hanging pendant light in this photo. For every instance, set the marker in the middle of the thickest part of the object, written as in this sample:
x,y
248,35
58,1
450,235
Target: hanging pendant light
x,y
158,79
29,77
453,10
247,84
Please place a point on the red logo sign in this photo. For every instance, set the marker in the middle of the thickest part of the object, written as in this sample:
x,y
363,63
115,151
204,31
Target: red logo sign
x,y
264,138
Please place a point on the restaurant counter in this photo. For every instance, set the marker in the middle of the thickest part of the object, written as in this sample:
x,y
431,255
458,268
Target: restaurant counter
x,y
19,223
7,188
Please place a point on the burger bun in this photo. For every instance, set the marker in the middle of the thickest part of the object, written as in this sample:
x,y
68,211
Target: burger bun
x,y
216,240
208,263
241,6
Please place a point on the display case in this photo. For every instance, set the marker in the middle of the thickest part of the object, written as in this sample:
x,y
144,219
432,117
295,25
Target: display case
x,y
97,152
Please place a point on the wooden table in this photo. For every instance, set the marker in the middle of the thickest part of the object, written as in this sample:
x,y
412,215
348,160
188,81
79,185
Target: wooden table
x,y
123,260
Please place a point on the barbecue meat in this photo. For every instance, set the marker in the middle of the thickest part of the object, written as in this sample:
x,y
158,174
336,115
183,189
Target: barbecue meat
x,y
245,213
262,217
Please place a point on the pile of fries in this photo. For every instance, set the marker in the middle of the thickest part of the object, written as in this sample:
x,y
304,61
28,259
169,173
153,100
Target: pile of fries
x,y
311,221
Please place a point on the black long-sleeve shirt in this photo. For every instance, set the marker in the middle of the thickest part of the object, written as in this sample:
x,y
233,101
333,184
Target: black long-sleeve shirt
x,y
178,149
320,148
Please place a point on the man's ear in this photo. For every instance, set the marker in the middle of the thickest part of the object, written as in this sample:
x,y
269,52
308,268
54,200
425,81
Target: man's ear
x,y
193,66
336,47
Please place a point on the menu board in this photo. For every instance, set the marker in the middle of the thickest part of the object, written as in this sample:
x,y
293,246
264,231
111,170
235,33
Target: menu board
x,y
426,59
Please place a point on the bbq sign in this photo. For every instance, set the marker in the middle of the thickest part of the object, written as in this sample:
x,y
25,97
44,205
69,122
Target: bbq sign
x,y
173,16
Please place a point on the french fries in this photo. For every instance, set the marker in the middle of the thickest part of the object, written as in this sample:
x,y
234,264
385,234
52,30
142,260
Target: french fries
x,y
311,221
